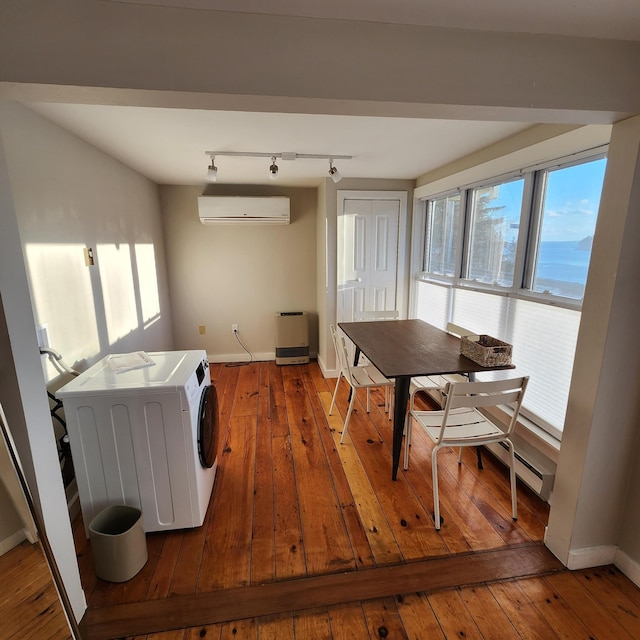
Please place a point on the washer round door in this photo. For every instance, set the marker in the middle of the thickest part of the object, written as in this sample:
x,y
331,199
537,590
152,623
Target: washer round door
x,y
208,427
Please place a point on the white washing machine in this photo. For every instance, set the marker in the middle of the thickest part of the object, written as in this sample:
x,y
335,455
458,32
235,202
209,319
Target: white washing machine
x,y
145,438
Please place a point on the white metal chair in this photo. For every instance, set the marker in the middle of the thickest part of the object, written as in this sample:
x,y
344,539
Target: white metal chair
x,y
461,424
358,377
437,383
380,314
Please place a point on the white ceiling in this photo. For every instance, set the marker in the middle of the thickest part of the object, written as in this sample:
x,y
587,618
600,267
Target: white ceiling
x,y
168,145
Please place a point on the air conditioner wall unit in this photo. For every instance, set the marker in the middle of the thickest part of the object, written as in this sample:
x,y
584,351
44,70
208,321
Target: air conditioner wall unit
x,y
244,210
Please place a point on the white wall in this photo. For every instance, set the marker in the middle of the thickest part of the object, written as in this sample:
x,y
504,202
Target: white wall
x,y
239,274
70,197
287,64
596,500
22,394
74,197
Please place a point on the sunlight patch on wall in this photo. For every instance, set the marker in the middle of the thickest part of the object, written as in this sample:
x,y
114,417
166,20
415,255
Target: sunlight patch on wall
x,y
63,297
147,282
116,276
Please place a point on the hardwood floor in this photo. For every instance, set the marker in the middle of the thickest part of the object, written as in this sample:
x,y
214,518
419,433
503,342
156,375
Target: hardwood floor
x,y
341,549
29,604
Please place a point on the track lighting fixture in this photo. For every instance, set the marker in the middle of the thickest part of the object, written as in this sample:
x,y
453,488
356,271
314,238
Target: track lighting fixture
x,y
333,172
212,171
273,169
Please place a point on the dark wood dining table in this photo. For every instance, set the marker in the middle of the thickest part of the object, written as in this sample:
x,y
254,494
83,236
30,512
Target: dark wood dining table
x,y
404,349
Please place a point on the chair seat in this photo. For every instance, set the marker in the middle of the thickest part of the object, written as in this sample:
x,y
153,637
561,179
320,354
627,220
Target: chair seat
x,y
369,376
464,425
424,383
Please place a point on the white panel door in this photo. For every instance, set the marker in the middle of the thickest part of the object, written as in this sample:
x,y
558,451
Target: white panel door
x,y
367,256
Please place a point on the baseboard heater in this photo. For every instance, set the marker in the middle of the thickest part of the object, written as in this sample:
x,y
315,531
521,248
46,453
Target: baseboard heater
x,y
292,337
536,474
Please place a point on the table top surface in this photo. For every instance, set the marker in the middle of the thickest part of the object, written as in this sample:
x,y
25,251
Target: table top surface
x,y
411,348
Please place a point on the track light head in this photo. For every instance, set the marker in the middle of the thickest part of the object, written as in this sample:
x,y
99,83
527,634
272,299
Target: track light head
x,y
273,169
334,173
212,171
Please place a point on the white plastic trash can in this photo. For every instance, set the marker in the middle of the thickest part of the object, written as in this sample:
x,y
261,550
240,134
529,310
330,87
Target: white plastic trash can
x,y
118,543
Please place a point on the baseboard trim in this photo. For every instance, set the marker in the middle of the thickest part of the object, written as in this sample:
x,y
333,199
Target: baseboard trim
x,y
244,357
13,540
241,357
591,557
628,566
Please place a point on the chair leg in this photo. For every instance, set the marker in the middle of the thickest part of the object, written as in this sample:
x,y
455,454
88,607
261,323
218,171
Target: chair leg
x,y
335,394
512,474
346,420
434,474
407,440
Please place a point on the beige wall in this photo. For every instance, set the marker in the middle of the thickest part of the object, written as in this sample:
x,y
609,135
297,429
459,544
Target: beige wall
x,y
13,509
10,522
239,274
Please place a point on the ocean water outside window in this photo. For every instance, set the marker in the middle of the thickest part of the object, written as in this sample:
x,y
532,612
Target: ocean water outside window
x,y
569,210
493,236
443,236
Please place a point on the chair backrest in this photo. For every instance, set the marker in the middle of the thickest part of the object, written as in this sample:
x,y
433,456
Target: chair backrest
x,y
481,395
393,314
342,354
458,331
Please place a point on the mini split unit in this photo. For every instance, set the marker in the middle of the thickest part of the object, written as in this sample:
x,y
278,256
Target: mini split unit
x,y
244,210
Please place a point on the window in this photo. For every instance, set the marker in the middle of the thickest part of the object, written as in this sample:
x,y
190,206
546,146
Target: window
x,y
493,234
442,236
510,258
569,202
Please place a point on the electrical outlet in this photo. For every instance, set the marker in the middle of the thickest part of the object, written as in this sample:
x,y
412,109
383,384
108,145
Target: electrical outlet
x,y
234,328
202,329
42,332
88,257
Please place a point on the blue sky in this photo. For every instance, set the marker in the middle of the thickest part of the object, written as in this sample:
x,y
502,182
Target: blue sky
x,y
571,206
573,197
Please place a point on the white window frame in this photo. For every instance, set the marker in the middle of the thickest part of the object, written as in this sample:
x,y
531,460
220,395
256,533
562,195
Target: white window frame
x,y
526,254
529,219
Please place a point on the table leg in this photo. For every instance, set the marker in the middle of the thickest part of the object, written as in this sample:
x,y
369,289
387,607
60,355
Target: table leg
x,y
399,414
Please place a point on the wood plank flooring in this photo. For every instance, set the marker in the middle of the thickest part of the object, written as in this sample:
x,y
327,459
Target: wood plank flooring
x,y
29,604
292,508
